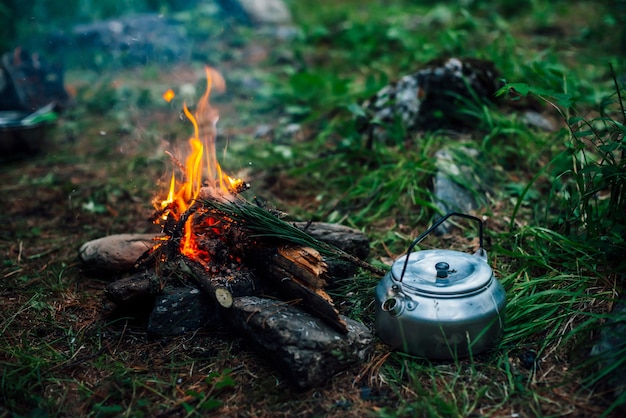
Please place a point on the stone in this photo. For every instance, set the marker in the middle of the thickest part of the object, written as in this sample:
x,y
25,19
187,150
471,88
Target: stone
x,y
537,120
257,12
450,183
116,252
180,310
262,131
437,96
305,348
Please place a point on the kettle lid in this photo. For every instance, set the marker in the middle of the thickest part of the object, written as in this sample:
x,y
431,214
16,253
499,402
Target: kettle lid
x,y
442,272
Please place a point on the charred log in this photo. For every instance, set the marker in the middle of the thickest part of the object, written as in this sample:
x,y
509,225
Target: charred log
x,y
138,287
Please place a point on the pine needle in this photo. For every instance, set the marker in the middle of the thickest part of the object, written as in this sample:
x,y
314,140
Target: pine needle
x,y
264,224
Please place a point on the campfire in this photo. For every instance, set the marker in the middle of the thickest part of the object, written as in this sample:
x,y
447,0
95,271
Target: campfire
x,y
247,259
221,236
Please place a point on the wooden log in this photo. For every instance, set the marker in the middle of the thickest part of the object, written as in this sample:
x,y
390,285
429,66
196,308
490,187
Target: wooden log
x,y
304,263
304,348
138,287
350,240
221,287
343,237
302,281
183,309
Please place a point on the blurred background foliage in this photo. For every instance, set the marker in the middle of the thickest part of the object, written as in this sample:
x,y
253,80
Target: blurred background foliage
x,y
22,19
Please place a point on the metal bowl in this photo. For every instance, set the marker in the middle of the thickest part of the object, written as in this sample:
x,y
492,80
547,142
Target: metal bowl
x,y
24,132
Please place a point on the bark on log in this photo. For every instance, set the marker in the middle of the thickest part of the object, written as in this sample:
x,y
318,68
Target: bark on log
x,y
241,282
343,237
303,347
304,263
299,273
349,240
129,290
182,309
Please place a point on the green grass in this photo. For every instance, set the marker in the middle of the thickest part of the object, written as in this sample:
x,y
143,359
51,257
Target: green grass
x,y
554,213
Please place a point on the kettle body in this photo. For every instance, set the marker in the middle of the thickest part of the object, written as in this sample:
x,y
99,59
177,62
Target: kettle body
x,y
440,304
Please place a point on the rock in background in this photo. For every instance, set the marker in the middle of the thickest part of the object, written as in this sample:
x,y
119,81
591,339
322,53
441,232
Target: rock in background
x,y
458,185
257,12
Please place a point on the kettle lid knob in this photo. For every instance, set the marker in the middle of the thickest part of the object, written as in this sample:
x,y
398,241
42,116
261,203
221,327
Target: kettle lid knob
x,y
442,269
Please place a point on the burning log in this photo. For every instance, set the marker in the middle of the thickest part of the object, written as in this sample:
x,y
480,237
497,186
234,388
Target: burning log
x,y
232,232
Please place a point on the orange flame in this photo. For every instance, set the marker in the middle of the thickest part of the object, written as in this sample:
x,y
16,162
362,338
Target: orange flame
x,y
201,170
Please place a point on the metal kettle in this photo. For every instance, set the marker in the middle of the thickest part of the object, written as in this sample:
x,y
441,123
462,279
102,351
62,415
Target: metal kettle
x,y
440,304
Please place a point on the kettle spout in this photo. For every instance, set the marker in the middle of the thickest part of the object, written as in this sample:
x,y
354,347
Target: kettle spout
x,y
393,305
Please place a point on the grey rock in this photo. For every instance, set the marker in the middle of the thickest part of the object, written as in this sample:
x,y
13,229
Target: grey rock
x,y
456,187
116,252
257,11
262,131
282,32
434,97
537,120
302,346
292,129
180,310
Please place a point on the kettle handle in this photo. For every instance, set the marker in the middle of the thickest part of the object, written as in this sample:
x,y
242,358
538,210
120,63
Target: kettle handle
x,y
435,225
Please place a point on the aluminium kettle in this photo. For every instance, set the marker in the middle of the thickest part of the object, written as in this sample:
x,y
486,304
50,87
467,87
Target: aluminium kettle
x,y
440,304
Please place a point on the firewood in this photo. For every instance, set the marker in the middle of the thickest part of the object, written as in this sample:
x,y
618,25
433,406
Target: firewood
x,y
345,238
299,273
134,288
233,234
242,282
311,299
303,347
303,262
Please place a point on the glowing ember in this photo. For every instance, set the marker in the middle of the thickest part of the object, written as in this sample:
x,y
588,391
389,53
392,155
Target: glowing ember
x,y
169,95
202,175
